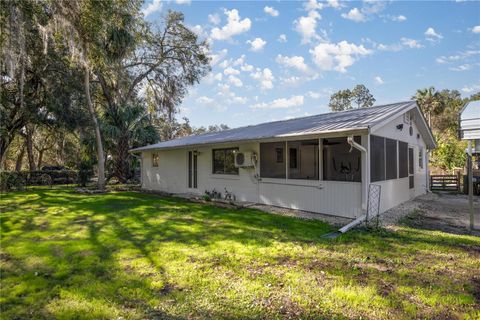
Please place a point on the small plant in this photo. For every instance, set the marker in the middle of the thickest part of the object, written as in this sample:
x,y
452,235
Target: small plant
x,y
229,196
206,197
214,194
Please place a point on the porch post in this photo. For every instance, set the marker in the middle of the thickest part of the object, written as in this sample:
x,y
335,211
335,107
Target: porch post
x,y
365,170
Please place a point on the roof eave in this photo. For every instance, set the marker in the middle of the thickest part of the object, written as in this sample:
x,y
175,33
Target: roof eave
x,y
357,130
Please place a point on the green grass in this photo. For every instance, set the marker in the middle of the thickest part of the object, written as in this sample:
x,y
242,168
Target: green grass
x,y
136,256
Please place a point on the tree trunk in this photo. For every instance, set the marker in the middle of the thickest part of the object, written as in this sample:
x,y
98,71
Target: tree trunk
x,y
40,158
18,164
5,142
98,137
122,160
29,141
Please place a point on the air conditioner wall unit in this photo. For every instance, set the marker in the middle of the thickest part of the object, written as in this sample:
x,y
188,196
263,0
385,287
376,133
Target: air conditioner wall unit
x,y
244,159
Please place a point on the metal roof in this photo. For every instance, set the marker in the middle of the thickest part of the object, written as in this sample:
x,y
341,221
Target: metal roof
x,y
355,119
470,121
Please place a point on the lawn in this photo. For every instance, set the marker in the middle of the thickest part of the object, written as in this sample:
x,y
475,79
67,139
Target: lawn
x,y
128,255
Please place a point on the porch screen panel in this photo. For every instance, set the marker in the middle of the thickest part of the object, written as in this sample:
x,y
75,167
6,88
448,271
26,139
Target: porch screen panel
x,y
341,162
377,158
272,160
391,159
303,159
402,159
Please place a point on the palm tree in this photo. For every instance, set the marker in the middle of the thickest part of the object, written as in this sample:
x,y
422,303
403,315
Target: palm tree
x,y
124,128
429,101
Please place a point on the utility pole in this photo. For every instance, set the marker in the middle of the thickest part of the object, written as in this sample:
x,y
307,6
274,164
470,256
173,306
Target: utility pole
x,y
470,183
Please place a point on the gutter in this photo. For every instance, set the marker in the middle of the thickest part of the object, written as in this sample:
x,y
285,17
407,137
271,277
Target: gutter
x,y
364,217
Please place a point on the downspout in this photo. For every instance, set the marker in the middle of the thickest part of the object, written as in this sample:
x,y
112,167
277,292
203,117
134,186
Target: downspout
x,y
364,217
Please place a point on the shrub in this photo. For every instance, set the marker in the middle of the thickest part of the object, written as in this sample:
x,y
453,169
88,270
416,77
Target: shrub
x,y
12,180
85,173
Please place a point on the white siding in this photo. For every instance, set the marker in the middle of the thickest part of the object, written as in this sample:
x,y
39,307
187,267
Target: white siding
x,y
329,197
397,191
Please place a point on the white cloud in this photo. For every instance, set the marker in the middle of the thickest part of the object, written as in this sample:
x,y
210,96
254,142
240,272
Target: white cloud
x,y
432,35
265,77
231,71
476,29
237,100
235,81
411,43
154,6
257,44
472,88
354,15
399,18
291,81
246,67
334,4
211,78
461,55
378,80
306,26
463,67
214,18
296,62
282,38
282,103
233,27
337,56
271,11
314,95
395,47
203,100
183,1
197,29
217,57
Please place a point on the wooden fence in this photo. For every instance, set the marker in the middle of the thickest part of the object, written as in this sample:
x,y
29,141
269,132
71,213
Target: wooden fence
x,y
445,183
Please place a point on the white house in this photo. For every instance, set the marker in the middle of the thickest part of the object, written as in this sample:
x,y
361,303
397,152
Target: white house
x,y
322,163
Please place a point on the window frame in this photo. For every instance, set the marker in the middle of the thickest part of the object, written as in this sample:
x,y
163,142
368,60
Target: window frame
x,y
155,160
234,150
420,158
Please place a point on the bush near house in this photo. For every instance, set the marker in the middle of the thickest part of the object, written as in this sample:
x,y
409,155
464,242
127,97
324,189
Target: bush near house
x,y
136,256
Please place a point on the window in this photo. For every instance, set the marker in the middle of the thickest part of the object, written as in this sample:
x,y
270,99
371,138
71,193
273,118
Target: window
x,y
341,162
420,157
303,159
377,158
402,159
272,160
292,158
155,160
192,169
224,161
279,155
391,159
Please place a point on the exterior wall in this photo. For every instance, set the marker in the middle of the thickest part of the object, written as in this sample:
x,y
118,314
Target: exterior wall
x,y
328,197
396,191
347,199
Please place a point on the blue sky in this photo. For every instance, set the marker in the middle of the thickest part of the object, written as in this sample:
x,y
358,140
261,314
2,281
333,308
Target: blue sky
x,y
278,60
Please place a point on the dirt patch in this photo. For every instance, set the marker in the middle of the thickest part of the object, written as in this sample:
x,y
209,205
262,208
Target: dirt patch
x,y
333,220
435,211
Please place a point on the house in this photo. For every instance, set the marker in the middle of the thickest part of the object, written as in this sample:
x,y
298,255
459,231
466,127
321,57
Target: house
x,y
322,163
